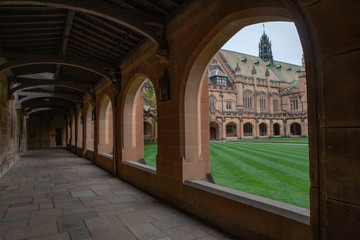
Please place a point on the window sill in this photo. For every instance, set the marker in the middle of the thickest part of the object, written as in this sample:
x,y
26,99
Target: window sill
x,y
282,209
90,150
105,155
141,166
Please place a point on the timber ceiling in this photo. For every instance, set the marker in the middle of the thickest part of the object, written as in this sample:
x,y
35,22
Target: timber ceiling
x,y
61,47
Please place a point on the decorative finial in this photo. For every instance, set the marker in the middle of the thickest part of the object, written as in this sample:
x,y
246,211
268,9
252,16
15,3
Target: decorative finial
x,y
253,71
267,73
263,28
237,69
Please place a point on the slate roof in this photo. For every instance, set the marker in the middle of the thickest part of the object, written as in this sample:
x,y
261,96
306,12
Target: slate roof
x,y
279,71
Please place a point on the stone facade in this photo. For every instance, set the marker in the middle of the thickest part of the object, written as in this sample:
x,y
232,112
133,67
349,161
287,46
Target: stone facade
x,y
253,98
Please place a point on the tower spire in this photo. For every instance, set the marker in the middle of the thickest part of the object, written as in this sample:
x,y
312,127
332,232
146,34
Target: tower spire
x,y
265,52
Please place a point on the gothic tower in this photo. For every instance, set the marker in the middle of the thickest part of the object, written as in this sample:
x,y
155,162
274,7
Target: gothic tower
x,y
265,52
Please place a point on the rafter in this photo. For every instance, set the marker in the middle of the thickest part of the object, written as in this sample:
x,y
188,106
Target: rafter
x,y
38,95
101,69
133,19
35,110
69,83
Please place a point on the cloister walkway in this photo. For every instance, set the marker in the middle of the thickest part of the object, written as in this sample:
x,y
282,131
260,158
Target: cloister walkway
x,y
53,194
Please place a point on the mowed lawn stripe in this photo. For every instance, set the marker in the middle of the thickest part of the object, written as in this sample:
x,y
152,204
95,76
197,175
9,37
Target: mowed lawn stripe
x,y
233,170
269,163
225,171
301,161
282,190
301,150
273,171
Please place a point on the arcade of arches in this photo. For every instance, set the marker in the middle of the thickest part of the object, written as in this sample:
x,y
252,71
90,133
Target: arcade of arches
x,y
96,111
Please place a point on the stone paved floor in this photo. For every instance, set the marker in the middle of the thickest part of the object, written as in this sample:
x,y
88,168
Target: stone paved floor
x,y
53,194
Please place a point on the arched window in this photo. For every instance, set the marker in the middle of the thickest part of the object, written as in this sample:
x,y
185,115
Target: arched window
x,y
275,102
263,102
231,130
248,100
295,129
263,129
106,126
276,129
89,128
212,101
248,129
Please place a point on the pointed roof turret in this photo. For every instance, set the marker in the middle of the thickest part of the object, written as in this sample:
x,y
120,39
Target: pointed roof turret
x,y
267,73
253,71
237,69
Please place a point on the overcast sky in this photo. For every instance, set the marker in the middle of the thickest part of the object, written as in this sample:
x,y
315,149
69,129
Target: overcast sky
x,y
284,39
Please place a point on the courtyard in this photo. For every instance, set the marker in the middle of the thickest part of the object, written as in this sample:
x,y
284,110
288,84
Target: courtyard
x,y
272,168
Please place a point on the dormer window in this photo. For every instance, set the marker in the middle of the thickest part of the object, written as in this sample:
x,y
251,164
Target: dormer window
x,y
221,81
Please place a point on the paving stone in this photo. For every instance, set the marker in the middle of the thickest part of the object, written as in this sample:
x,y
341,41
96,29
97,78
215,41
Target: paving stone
x,y
44,216
10,217
78,210
53,236
26,208
124,198
146,231
46,206
79,234
114,212
170,223
161,213
185,232
64,226
135,218
94,203
68,202
80,194
31,231
113,234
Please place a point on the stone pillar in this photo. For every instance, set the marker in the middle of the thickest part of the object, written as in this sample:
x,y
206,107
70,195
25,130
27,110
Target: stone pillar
x,y
256,129
257,102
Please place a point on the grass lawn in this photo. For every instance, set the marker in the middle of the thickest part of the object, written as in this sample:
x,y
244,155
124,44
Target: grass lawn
x,y
276,140
275,171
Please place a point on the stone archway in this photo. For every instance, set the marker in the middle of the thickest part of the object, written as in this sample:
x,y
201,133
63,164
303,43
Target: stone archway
x,y
295,129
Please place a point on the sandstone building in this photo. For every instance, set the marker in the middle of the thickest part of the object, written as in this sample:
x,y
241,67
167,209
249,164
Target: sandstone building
x,y
86,62
256,97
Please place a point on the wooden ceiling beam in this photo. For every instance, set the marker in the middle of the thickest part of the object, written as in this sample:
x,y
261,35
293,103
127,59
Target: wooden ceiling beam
x,y
99,68
26,96
105,24
133,19
67,82
68,25
32,23
31,29
35,110
28,35
83,39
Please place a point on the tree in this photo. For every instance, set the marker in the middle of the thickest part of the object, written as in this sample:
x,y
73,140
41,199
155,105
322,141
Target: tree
x,y
150,103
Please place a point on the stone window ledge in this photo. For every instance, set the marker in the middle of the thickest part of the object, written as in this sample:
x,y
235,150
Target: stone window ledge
x,y
106,155
90,150
282,209
141,166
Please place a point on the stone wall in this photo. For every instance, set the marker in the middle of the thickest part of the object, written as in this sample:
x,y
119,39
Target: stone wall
x,y
13,127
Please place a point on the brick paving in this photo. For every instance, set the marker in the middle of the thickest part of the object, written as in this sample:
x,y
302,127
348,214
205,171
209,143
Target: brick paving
x,y
55,195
